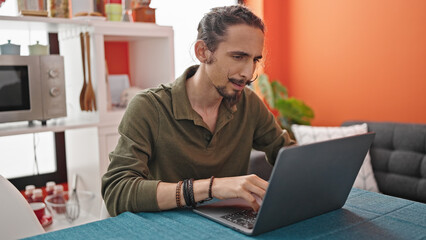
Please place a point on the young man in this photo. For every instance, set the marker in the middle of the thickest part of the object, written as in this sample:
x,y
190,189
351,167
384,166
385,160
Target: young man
x,y
202,126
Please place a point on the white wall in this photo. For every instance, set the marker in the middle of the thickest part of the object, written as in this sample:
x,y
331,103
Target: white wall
x,y
184,16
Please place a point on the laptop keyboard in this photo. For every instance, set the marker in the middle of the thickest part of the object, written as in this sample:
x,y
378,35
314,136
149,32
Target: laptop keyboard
x,y
245,218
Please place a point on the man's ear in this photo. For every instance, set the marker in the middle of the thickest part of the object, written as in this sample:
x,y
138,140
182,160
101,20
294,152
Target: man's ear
x,y
201,51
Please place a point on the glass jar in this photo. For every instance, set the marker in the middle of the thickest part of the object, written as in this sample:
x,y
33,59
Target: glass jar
x,y
58,198
58,8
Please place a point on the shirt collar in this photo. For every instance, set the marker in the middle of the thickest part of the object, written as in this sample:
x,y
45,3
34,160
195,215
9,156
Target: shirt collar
x,y
182,108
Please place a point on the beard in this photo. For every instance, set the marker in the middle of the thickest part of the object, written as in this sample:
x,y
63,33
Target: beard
x,y
233,98
230,99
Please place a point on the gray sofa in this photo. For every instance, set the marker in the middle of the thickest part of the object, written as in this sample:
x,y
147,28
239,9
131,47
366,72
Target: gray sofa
x,y
398,158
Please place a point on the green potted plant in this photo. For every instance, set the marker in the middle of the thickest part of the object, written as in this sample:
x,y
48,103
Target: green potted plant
x,y
290,110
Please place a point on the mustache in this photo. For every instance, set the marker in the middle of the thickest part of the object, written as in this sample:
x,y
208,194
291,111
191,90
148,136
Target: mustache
x,y
242,82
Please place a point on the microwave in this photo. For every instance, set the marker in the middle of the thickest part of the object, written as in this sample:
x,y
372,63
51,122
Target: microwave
x,y
32,88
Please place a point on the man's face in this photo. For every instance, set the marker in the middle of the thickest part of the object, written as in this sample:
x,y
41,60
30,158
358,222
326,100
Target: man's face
x,y
235,60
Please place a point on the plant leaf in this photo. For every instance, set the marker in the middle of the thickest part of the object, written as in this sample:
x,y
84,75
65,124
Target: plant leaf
x,y
279,90
291,110
294,111
266,90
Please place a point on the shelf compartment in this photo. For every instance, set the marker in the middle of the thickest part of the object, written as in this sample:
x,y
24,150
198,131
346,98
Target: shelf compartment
x,y
148,59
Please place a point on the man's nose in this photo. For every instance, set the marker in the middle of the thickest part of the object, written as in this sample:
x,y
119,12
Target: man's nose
x,y
247,71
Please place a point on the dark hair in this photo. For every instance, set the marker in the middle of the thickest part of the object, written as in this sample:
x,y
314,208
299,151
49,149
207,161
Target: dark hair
x,y
213,26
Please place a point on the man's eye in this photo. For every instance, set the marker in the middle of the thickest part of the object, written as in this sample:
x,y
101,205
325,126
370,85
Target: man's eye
x,y
237,57
256,60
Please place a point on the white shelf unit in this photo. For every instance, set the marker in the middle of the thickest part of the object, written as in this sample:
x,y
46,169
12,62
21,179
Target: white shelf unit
x,y
90,136
151,58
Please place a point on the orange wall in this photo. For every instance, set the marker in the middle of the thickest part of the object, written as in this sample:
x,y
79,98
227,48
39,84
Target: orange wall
x,y
353,59
117,58
276,40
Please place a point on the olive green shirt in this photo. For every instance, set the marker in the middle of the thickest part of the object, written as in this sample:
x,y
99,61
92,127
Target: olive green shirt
x,y
164,139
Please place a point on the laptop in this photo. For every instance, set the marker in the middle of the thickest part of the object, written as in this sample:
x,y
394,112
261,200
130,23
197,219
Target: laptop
x,y
306,181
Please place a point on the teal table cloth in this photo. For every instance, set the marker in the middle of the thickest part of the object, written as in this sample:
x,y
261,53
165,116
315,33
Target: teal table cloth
x,y
366,215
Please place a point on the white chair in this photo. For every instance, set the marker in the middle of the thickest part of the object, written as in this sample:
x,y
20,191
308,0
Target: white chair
x,y
17,219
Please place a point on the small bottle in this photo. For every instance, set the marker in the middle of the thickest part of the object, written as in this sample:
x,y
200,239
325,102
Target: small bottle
x,y
49,187
37,195
29,189
58,198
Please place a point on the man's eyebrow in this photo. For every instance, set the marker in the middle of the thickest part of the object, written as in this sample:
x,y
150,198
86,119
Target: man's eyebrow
x,y
241,53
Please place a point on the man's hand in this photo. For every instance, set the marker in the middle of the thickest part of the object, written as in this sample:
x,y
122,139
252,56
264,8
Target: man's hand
x,y
240,187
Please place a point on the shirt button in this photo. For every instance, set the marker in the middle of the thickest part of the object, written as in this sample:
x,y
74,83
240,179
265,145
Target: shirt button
x,y
208,138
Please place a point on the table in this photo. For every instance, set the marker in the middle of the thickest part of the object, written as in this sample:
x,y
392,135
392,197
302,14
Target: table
x,y
62,222
366,215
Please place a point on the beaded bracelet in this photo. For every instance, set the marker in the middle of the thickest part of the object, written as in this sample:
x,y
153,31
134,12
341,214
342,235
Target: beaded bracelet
x,y
210,191
179,184
188,192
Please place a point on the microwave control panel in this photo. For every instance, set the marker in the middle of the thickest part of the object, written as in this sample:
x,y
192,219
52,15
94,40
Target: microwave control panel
x,y
53,86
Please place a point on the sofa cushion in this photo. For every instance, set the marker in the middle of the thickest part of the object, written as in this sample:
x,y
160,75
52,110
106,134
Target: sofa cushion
x,y
398,158
308,134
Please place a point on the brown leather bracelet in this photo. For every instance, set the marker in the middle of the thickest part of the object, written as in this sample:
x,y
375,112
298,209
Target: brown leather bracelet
x,y
186,192
191,193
